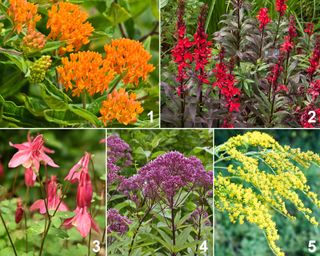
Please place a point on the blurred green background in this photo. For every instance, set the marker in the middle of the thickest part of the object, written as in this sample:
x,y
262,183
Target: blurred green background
x,y
246,239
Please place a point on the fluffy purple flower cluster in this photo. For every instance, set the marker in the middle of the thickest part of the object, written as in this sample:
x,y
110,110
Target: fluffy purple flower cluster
x,y
195,216
163,177
117,222
119,156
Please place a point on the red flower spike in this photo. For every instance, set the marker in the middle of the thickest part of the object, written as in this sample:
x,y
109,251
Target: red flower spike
x,y
309,28
281,6
314,60
263,18
202,51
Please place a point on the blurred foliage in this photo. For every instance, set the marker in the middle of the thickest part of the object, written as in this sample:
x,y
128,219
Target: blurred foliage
x,y
25,104
146,145
247,239
69,147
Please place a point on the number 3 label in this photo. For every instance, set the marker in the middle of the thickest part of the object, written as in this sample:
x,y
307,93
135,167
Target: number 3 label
x,y
312,246
96,247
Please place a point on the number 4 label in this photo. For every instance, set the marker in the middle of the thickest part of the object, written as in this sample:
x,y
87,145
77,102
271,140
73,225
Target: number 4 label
x,y
312,246
203,247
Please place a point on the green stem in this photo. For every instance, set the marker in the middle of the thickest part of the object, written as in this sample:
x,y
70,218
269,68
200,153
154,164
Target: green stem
x,y
277,31
84,100
89,243
5,226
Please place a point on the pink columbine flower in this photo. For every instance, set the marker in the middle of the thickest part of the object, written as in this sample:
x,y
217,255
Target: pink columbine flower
x,y
31,154
84,193
82,166
83,221
29,177
53,199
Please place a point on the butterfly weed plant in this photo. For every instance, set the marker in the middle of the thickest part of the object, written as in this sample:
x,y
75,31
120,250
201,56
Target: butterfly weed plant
x,y
257,178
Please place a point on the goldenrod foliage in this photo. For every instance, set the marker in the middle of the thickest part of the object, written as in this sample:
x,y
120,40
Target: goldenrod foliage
x,y
262,178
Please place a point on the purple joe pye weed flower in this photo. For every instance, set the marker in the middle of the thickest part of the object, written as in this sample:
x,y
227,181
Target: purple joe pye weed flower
x,y
117,222
119,156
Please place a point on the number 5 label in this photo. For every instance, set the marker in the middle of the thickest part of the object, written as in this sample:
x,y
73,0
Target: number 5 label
x,y
312,246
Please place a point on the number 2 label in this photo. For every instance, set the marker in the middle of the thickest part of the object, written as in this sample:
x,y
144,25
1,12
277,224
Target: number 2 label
x,y
312,118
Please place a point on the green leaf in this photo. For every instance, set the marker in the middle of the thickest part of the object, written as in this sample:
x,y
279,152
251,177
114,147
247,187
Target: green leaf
x,y
51,99
34,105
58,232
85,114
117,14
62,117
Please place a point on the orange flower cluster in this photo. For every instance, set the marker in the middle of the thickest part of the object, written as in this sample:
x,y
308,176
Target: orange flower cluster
x,y
23,14
34,41
85,71
120,106
68,22
129,59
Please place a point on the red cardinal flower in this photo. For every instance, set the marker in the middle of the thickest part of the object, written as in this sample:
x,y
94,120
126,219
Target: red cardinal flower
x,y
202,51
287,46
315,58
29,177
309,29
31,154
263,18
281,6
180,53
83,221
19,211
80,167
226,81
53,199
314,89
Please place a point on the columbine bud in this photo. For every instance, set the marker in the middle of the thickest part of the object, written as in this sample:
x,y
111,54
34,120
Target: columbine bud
x,y
1,169
33,42
84,193
39,69
19,211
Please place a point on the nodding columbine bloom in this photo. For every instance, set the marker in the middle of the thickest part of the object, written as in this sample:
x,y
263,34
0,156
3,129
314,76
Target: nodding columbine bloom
x,y
309,28
19,211
263,18
314,60
117,222
82,220
85,72
31,154
53,199
281,7
68,23
202,51
82,166
29,177
120,106
23,14
129,59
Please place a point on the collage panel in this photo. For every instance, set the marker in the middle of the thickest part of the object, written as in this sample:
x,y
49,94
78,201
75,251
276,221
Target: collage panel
x,y
267,192
241,63
52,192
159,192
79,63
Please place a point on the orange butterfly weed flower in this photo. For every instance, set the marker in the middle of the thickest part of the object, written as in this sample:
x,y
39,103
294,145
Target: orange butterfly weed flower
x,y
69,23
128,58
120,106
23,14
85,71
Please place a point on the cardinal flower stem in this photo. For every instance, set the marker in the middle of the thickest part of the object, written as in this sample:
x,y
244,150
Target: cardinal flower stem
x,y
277,31
8,234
